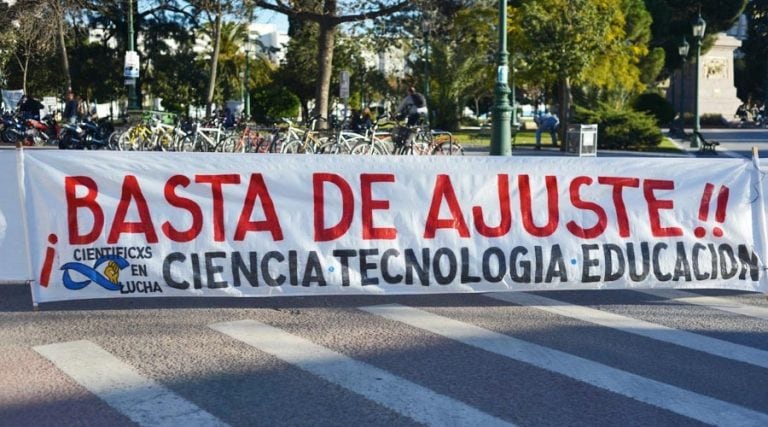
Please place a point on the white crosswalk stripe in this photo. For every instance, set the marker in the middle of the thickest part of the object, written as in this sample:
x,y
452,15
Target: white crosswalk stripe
x,y
402,396
655,331
124,382
716,303
674,399
144,401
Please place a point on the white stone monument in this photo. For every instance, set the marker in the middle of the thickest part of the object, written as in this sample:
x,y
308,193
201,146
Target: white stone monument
x,y
717,89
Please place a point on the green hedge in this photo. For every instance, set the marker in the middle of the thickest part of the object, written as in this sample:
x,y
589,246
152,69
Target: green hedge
x,y
655,105
622,130
272,102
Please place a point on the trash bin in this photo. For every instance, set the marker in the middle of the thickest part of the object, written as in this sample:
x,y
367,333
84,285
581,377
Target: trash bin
x,y
582,140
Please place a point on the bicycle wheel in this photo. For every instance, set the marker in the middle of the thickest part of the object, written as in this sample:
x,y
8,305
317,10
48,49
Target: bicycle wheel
x,y
293,147
365,148
262,145
186,144
127,141
326,145
422,142
227,145
448,148
420,148
276,144
113,142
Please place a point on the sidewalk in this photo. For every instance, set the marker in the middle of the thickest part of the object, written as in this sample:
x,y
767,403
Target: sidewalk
x,y
548,150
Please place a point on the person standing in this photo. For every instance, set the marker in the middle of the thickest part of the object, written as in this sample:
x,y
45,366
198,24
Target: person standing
x,y
71,109
546,122
29,108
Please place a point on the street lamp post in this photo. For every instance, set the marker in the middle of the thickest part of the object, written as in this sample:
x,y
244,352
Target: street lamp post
x,y
502,112
698,34
515,123
132,98
248,49
683,51
426,27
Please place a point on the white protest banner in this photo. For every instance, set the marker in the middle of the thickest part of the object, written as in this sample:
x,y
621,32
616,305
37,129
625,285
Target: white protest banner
x,y
131,67
108,225
11,98
13,241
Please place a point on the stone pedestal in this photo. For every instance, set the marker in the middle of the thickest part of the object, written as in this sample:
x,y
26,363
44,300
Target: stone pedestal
x,y
717,89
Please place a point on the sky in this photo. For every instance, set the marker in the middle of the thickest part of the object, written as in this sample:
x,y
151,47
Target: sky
x,y
268,17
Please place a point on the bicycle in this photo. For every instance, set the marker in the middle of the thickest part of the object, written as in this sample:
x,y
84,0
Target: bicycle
x,y
308,143
443,144
134,138
414,139
342,141
420,140
208,139
163,137
257,140
374,142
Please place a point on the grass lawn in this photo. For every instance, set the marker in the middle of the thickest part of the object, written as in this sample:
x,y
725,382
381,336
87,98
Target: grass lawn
x,y
482,139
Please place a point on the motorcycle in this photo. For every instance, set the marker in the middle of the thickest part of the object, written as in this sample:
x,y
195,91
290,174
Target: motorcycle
x,y
13,130
40,132
87,135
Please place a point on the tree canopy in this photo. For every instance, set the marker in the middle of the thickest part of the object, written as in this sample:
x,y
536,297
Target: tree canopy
x,y
600,51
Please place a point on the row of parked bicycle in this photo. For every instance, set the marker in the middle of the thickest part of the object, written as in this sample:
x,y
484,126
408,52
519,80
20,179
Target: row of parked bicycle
x,y
211,136
287,137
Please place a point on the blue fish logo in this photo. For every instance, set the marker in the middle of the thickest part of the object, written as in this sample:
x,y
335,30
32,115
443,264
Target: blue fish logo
x,y
107,280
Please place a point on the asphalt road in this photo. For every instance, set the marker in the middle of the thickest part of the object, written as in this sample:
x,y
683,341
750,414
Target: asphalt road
x,y
739,142
581,358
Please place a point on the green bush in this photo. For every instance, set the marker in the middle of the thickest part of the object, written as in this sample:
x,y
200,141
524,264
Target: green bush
x,y
272,102
655,105
622,130
469,121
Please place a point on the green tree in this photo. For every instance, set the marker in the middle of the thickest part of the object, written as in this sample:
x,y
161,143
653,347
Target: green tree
x,y
627,66
94,67
32,27
179,87
298,69
561,38
753,78
672,21
272,102
329,15
460,60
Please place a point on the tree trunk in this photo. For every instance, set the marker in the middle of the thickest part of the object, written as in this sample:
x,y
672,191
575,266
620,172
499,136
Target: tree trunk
x,y
25,72
63,44
564,110
325,67
214,60
304,110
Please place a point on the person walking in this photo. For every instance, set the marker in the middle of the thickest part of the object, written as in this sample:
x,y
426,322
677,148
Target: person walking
x,y
413,107
546,122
